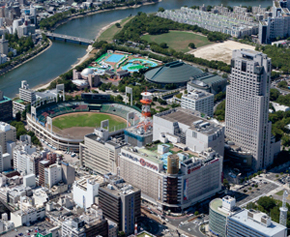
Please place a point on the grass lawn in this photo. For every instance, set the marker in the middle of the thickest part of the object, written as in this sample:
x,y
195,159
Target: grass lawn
x,y
85,120
109,33
178,40
280,193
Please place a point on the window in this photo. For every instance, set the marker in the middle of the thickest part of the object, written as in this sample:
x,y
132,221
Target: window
x,y
244,66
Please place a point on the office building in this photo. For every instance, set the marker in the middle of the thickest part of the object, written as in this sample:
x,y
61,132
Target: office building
x,y
228,220
99,153
68,173
28,213
86,189
53,174
247,105
187,129
45,163
219,210
198,100
3,45
19,106
170,182
90,224
253,223
120,202
6,108
25,157
25,93
7,135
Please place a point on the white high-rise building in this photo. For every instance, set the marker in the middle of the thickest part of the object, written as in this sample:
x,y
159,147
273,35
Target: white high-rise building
x,y
7,135
247,105
198,100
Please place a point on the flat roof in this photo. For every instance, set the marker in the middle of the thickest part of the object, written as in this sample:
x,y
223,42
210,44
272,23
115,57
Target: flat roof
x,y
188,117
242,218
5,99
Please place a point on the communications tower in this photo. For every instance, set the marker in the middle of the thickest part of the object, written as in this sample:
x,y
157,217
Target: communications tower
x,y
146,101
283,210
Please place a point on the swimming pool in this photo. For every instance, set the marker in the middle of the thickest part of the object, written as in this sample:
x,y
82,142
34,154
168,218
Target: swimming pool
x,y
132,67
114,58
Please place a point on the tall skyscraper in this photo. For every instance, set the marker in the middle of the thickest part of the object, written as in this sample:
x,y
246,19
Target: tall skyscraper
x,y
247,105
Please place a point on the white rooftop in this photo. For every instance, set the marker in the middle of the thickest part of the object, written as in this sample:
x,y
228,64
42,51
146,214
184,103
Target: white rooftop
x,y
273,229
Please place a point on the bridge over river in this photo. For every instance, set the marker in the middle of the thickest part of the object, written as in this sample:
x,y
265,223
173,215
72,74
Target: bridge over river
x,y
67,38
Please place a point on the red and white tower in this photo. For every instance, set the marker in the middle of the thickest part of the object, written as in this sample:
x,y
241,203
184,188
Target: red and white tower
x,y
146,101
146,111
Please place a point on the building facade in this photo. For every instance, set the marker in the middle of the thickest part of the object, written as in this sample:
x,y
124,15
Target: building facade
x,y
198,177
198,100
253,223
6,108
98,153
25,93
86,189
187,127
247,104
120,203
276,26
7,134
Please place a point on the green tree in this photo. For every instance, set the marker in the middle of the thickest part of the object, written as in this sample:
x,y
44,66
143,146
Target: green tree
x,y
161,9
23,115
274,94
191,45
18,116
118,25
196,213
163,45
226,183
267,203
121,234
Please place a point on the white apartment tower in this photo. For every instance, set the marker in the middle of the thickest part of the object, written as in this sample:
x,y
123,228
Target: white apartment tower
x,y
247,105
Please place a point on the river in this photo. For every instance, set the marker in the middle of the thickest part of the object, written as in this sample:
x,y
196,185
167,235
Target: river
x,y
60,56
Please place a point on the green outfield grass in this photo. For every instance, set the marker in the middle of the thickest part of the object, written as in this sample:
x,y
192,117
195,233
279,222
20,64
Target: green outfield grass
x,y
86,120
178,40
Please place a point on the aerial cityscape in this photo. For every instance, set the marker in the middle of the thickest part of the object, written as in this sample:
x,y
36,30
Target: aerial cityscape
x,y
144,118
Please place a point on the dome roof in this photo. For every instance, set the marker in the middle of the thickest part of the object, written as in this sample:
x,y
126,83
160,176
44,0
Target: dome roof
x,y
87,71
174,72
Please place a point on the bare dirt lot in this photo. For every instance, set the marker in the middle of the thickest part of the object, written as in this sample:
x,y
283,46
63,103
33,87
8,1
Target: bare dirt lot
x,y
219,51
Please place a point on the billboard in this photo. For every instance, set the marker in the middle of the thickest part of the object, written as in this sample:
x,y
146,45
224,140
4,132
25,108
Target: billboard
x,y
185,188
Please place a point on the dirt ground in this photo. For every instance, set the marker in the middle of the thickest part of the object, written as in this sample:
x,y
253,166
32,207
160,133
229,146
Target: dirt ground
x,y
219,51
79,132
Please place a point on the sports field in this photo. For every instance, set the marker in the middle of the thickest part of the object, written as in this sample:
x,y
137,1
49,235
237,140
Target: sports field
x,y
86,119
178,40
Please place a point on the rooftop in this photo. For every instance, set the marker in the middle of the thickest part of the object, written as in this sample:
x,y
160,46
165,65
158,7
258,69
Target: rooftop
x,y
242,218
118,188
92,179
5,99
216,205
190,118
174,72
197,95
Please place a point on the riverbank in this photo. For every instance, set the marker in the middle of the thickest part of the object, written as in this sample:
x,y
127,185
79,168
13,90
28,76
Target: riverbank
x,y
79,61
87,55
42,50
100,11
